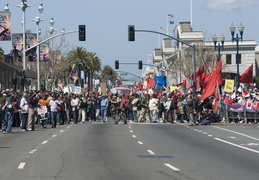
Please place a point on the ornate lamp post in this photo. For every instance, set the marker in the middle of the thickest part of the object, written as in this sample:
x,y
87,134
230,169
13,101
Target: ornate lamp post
x,y
232,29
38,20
218,46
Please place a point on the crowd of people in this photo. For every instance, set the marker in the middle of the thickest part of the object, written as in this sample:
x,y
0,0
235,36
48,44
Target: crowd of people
x,y
49,109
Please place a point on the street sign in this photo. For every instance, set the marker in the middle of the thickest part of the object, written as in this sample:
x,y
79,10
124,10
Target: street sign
x,y
123,74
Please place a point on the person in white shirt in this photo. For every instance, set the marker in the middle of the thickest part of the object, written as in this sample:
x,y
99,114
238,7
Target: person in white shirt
x,y
153,106
74,105
24,111
53,111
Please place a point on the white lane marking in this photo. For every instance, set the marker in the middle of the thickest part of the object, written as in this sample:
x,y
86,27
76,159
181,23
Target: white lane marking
x,y
33,151
204,133
238,133
236,145
61,130
134,136
231,137
54,135
210,135
21,165
150,152
200,131
171,167
195,129
44,142
140,142
129,127
131,131
68,127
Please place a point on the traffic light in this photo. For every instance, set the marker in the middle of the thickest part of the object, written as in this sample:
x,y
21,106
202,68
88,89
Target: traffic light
x,y
110,72
116,64
139,64
82,33
131,33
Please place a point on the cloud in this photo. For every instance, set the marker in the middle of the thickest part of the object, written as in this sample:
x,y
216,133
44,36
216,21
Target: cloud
x,y
228,5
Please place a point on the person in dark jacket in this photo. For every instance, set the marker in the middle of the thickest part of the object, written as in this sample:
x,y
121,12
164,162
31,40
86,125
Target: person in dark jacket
x,y
210,117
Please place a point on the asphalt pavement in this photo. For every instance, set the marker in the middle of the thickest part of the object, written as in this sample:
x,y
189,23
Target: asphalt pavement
x,y
156,151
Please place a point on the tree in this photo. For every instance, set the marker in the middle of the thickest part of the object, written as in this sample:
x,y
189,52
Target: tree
x,y
2,57
204,56
88,61
106,73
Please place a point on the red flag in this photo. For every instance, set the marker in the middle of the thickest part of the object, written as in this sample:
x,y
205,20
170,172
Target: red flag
x,y
200,75
247,76
150,82
215,79
227,100
217,99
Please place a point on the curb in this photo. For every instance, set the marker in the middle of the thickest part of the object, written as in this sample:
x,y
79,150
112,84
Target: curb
x,y
235,124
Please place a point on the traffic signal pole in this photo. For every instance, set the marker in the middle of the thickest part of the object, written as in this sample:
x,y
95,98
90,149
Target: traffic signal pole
x,y
152,66
129,73
190,45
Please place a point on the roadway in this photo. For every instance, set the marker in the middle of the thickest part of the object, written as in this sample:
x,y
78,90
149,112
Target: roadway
x,y
96,151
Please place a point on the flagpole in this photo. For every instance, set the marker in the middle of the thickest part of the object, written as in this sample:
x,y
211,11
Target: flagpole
x,y
167,24
191,12
158,38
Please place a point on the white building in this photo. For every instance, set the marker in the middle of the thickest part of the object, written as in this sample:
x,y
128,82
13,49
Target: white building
x,y
172,51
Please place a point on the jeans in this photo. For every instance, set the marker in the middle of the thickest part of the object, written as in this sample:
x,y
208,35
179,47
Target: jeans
x,y
10,116
68,116
54,118
204,122
104,112
135,115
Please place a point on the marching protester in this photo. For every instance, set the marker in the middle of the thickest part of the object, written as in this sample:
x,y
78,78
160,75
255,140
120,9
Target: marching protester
x,y
74,108
153,106
104,107
33,104
44,104
54,105
24,111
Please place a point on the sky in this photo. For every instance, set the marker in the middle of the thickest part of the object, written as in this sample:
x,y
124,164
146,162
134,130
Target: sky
x,y
107,23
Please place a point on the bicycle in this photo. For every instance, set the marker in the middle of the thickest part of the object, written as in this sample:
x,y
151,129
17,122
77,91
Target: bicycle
x,y
120,113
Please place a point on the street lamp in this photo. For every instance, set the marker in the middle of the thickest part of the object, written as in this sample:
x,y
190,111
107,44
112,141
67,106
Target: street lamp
x,y
38,20
51,31
218,46
24,6
232,29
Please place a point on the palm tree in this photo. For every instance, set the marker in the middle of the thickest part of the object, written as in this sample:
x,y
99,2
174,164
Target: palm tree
x,y
108,73
87,60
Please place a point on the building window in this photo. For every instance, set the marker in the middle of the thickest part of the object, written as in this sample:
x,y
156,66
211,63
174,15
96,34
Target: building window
x,y
228,59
